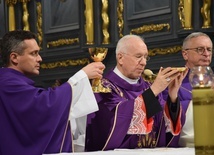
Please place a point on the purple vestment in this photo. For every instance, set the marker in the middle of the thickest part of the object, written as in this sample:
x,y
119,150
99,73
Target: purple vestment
x,y
185,92
107,128
32,120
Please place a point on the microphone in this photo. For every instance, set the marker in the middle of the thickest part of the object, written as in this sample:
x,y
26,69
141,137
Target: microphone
x,y
149,73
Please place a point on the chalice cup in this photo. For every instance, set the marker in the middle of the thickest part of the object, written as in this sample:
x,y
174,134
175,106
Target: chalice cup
x,y
98,55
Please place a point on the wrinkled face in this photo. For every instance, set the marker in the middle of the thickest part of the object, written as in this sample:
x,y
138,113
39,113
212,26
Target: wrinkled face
x,y
29,61
132,63
193,56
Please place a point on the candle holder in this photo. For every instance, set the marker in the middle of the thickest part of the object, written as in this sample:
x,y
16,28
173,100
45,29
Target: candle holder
x,y
201,76
201,79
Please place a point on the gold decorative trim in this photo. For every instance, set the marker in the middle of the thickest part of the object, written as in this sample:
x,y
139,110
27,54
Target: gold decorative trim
x,y
65,63
162,51
89,23
120,22
39,23
25,16
148,28
11,12
62,42
105,18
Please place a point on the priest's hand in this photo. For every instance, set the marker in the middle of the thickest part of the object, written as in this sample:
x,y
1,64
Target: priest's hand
x,y
163,79
175,84
94,70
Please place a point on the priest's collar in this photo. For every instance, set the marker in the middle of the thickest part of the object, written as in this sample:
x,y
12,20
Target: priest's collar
x,y
130,81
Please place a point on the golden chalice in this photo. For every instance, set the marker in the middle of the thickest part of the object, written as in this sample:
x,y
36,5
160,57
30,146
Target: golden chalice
x,y
98,55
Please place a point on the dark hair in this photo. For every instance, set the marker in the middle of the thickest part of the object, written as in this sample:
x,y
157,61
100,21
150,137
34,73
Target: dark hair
x,y
13,42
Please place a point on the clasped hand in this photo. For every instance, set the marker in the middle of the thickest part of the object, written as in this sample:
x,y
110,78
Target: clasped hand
x,y
171,78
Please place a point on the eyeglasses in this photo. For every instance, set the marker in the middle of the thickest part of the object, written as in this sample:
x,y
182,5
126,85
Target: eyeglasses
x,y
201,50
139,57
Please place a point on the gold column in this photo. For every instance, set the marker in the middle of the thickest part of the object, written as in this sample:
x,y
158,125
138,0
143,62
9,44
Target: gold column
x,y
105,18
39,23
11,12
120,22
89,25
185,13
25,15
205,12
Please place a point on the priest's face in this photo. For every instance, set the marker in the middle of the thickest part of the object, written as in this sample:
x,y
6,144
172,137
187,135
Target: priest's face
x,y
28,62
198,52
133,61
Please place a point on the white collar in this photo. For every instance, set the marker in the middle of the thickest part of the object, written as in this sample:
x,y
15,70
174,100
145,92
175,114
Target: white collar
x,y
130,81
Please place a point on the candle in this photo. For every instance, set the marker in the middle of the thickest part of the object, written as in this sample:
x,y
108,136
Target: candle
x,y
203,112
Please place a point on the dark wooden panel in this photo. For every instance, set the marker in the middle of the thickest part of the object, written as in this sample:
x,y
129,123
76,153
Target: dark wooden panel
x,y
151,19
147,5
60,16
2,19
146,8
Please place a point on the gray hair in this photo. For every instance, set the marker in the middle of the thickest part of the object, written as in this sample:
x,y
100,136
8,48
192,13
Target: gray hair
x,y
193,35
124,42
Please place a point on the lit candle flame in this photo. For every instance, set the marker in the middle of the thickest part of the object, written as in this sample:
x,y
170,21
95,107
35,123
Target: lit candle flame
x,y
201,79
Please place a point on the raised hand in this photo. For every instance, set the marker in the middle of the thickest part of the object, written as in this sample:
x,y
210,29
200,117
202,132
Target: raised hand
x,y
164,77
94,70
175,84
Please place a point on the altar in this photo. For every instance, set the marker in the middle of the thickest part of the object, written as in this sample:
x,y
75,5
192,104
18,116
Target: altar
x,y
153,151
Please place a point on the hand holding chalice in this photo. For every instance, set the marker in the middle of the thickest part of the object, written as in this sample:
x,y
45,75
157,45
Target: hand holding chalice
x,y
98,55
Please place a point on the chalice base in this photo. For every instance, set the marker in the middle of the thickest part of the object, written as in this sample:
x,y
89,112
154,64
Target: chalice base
x,y
97,87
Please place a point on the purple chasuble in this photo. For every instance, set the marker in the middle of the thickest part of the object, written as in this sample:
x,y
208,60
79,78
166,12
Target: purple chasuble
x,y
32,120
107,128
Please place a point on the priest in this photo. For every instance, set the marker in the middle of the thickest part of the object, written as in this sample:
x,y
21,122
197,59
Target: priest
x,y
35,121
134,114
